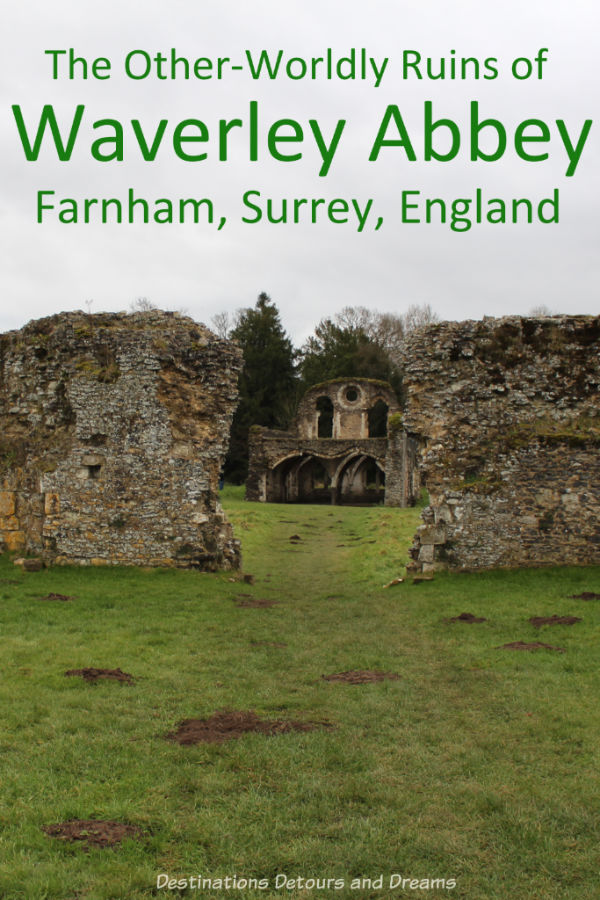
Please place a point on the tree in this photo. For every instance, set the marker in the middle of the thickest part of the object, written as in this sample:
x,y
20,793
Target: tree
x,y
385,329
267,382
541,310
141,304
222,325
417,316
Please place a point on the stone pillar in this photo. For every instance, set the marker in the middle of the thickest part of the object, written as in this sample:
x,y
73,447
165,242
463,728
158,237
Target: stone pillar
x,y
399,465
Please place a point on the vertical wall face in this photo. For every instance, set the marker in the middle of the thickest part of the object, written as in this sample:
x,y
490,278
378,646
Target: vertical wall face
x,y
506,413
402,476
337,451
114,430
350,403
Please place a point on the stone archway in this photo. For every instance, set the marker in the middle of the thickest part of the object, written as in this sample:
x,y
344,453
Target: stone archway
x,y
360,479
314,481
282,479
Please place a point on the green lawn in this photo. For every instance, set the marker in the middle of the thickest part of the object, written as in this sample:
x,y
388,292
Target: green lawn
x,y
477,764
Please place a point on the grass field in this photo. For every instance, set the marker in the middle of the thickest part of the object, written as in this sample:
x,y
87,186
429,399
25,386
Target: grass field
x,y
477,764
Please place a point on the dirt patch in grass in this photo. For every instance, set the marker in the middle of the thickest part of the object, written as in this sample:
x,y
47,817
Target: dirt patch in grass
x,y
93,833
467,617
91,674
586,595
535,645
227,724
247,601
538,621
361,677
52,596
294,538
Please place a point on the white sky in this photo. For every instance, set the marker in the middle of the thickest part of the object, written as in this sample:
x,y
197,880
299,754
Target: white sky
x,y
309,270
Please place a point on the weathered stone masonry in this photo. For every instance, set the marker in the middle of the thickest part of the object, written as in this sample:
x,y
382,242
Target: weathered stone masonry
x,y
113,429
506,413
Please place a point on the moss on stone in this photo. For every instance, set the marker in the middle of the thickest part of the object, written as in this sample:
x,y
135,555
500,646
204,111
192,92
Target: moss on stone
x,y
477,485
576,433
349,379
395,422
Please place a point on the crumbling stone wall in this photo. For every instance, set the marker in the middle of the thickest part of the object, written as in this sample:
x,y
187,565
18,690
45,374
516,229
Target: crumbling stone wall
x,y
278,461
506,414
113,429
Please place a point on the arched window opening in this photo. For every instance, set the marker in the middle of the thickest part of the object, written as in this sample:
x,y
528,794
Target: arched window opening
x,y
325,421
378,419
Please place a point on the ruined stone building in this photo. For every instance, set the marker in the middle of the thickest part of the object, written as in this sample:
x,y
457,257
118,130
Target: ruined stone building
x,y
500,422
345,446
505,414
113,429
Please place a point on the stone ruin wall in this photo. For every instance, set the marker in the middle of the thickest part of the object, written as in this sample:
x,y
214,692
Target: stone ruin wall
x,y
269,447
113,429
506,413
350,417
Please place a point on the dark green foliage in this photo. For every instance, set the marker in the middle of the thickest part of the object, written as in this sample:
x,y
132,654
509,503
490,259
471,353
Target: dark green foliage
x,y
338,351
267,383
353,345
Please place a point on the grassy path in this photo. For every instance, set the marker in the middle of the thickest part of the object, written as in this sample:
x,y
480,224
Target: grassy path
x,y
476,764
323,549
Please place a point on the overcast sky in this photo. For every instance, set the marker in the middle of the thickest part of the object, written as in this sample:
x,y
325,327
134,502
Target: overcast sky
x,y
309,270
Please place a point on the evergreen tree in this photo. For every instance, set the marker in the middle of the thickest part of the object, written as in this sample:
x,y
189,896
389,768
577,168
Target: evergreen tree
x,y
267,383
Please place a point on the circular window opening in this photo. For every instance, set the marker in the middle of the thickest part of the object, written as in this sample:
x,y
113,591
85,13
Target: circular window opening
x,y
351,394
